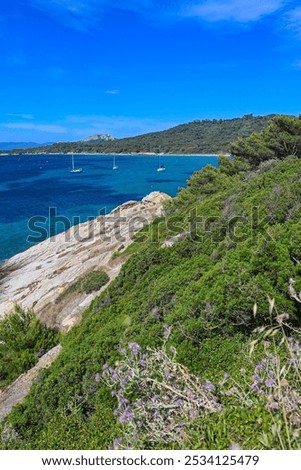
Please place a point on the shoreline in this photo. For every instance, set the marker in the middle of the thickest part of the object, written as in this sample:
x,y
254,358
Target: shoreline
x,y
77,227
146,154
149,154
36,277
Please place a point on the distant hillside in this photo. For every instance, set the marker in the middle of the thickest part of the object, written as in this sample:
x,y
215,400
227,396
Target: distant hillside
x,y
19,145
207,136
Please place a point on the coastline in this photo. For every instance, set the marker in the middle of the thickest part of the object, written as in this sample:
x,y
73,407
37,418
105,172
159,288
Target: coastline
x,y
36,277
147,154
140,180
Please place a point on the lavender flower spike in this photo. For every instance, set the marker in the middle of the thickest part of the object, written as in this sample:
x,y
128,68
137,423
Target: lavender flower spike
x,y
135,348
209,386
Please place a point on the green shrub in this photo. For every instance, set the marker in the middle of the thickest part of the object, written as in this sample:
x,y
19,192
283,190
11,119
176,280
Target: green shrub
x,y
23,339
91,282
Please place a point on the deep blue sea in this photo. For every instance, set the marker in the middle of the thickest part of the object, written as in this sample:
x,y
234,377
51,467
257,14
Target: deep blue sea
x,y
32,184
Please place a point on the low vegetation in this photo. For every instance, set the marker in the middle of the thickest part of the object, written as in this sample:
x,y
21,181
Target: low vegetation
x,y
282,137
23,340
198,341
91,282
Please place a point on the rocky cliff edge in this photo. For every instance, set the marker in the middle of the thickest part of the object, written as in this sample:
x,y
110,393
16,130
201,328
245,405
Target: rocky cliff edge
x,y
36,278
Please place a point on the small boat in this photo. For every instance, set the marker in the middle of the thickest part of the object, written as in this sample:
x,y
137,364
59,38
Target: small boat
x,y
75,170
160,166
114,167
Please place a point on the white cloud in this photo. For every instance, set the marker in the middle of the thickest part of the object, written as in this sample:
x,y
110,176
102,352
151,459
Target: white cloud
x,y
118,126
112,92
293,18
297,64
83,14
77,14
49,128
72,128
21,116
242,11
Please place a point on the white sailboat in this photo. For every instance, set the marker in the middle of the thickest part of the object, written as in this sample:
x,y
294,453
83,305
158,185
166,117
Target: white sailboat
x,y
75,170
114,167
160,166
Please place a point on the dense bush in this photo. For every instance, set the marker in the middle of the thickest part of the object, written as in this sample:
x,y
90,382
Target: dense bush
x,y
23,339
91,282
281,138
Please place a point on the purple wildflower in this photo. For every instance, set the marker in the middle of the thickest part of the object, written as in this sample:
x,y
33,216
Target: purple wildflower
x,y
235,446
256,378
130,373
135,348
255,387
123,383
270,382
166,331
209,386
126,417
116,443
97,377
178,402
272,357
272,406
261,365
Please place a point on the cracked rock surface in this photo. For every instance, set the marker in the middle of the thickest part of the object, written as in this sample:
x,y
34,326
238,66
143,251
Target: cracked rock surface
x,y
36,277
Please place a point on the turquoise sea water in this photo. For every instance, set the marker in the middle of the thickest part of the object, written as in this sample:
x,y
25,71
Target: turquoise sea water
x,y
32,184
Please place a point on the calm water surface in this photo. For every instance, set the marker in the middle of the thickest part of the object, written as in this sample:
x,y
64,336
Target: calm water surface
x,y
31,184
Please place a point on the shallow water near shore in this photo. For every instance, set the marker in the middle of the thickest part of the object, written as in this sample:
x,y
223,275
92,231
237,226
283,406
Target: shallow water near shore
x,y
32,186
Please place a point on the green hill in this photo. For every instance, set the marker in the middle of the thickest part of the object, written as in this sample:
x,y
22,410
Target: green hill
x,y
195,345
207,136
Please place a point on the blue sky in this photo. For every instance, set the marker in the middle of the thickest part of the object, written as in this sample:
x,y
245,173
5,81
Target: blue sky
x,y
72,68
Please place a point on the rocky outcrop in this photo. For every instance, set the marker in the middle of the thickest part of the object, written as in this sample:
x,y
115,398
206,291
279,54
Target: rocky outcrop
x,y
36,278
171,241
17,391
98,138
